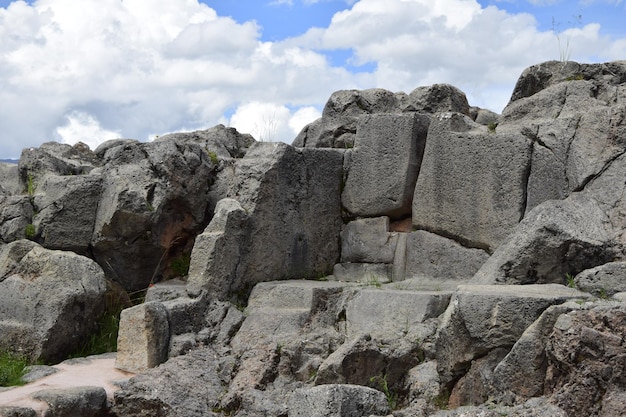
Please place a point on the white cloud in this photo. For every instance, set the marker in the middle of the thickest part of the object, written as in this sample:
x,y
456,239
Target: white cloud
x,y
138,68
83,127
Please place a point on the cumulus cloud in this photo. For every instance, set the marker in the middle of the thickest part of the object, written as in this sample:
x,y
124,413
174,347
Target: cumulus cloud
x,y
136,68
270,122
83,127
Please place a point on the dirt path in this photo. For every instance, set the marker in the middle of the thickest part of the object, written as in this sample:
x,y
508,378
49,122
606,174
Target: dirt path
x,y
95,371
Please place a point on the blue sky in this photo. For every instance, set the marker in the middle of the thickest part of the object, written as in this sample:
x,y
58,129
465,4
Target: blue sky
x,y
100,69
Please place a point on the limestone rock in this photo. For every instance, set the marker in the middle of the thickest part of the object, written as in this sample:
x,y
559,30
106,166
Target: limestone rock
x,y
16,214
390,314
143,337
555,239
608,190
66,211
217,250
154,202
278,312
225,142
437,98
573,114
50,302
17,412
291,198
386,362
364,273
79,401
338,125
54,158
368,241
9,179
604,280
337,401
481,318
474,388
434,256
586,356
472,183
159,391
384,165
523,371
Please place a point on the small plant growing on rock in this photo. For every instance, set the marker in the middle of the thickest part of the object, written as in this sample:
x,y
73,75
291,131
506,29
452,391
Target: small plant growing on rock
x,y
11,369
180,265
570,280
392,397
30,185
30,231
491,126
213,157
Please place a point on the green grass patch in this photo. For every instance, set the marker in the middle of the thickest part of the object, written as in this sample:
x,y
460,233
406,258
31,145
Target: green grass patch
x,y
11,369
180,265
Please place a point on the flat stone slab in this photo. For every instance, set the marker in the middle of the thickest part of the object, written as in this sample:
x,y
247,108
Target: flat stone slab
x,y
288,294
388,313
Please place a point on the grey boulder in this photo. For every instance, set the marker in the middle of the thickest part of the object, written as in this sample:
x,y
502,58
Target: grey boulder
x,y
49,302
383,167
337,401
555,239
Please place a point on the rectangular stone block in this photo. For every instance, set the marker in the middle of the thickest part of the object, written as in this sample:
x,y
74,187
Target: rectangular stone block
x,y
368,240
143,338
384,313
384,164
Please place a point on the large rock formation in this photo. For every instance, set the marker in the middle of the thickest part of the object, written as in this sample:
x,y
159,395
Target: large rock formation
x,y
456,239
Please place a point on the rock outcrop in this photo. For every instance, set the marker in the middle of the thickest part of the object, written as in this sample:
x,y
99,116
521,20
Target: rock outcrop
x,y
407,254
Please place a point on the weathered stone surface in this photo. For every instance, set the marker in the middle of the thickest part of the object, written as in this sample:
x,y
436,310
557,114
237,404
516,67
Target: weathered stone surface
x,y
225,142
586,361
143,337
574,116
80,401
608,190
483,116
54,158
384,165
154,202
555,239
370,362
481,318
434,256
9,179
368,241
16,213
474,388
338,125
535,407
472,183
50,303
291,197
217,251
390,314
337,401
539,77
604,280
66,211
187,385
17,412
366,274
11,255
278,312
422,382
437,98
523,371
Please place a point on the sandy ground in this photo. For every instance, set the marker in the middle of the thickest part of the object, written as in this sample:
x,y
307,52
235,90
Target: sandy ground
x,y
95,371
